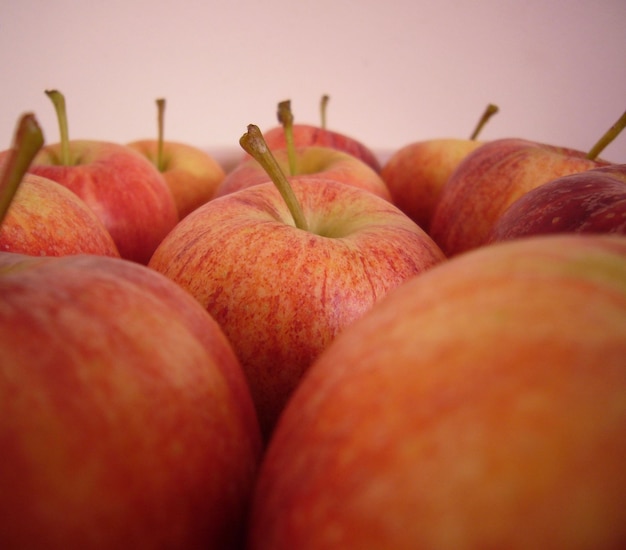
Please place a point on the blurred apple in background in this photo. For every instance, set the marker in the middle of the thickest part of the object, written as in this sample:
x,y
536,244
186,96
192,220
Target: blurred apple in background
x,y
479,405
125,419
496,174
284,269
38,216
191,173
588,202
416,173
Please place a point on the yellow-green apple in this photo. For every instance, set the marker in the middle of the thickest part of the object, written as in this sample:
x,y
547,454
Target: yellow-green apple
x,y
38,216
492,177
125,418
324,162
479,405
416,173
191,173
283,269
588,202
300,135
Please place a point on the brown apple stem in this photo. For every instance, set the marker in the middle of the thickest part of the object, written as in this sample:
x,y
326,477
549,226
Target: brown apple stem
x,y
285,117
323,108
490,110
607,138
58,100
254,144
160,163
27,142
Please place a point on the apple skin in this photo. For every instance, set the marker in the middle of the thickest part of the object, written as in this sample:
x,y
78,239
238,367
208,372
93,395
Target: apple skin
x,y
325,162
282,294
309,134
192,174
125,419
480,405
416,173
46,219
488,180
588,202
127,193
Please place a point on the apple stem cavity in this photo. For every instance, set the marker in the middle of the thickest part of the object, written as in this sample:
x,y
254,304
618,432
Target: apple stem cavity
x,y
323,108
27,142
255,145
607,138
58,100
285,117
160,161
489,111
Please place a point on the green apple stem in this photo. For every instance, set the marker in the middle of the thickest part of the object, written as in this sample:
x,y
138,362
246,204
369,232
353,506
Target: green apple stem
x,y
58,100
323,108
285,117
490,110
160,162
254,144
607,138
27,142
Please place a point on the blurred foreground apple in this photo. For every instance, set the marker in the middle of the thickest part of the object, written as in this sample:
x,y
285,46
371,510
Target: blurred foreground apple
x,y
191,174
125,419
588,202
479,405
496,174
283,269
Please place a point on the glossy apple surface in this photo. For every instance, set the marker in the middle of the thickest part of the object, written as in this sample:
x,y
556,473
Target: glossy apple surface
x,y
125,420
281,294
588,202
488,180
479,405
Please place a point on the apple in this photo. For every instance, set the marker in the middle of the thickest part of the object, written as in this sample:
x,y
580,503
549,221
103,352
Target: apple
x,y
191,173
479,405
588,202
285,268
37,215
416,173
125,418
309,160
127,193
492,177
299,135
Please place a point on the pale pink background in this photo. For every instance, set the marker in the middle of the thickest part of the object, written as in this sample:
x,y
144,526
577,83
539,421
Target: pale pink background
x,y
397,71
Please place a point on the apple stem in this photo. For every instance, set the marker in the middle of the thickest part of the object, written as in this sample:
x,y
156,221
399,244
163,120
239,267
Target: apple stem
x,y
254,144
285,117
27,142
489,111
607,138
160,163
323,109
58,100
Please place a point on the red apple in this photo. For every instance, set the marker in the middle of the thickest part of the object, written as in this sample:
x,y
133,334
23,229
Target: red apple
x,y
125,419
588,202
284,276
479,405
191,173
38,216
496,174
416,173
324,162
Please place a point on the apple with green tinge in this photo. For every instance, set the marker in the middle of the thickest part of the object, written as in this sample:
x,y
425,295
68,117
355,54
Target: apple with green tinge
x,y
191,173
125,416
588,202
479,405
284,269
492,177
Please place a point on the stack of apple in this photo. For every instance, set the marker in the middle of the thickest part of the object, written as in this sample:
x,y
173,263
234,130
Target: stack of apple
x,y
311,350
